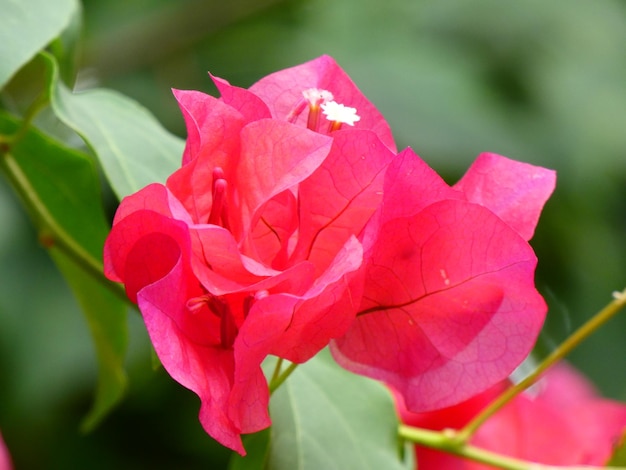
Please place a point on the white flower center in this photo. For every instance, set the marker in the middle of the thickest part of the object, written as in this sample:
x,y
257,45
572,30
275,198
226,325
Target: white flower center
x,y
319,100
337,112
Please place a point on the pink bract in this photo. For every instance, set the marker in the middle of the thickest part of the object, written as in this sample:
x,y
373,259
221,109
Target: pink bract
x,y
250,246
560,421
5,456
449,305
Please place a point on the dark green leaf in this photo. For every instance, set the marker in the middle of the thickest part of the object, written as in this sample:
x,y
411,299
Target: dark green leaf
x,y
257,448
27,27
60,189
325,417
106,316
133,148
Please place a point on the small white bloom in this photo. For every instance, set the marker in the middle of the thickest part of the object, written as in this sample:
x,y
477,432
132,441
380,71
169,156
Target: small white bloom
x,y
339,113
316,95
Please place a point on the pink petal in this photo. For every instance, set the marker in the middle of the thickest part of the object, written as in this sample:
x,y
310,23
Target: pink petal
x,y
411,185
566,387
560,422
275,156
218,262
297,327
449,308
454,417
129,235
247,103
154,197
515,191
271,238
211,126
530,430
282,91
222,269
267,320
325,311
596,422
601,427
338,199
205,368
213,141
188,343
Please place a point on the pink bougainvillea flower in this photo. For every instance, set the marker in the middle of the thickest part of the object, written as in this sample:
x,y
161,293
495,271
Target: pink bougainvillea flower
x,y
5,457
249,247
449,305
560,421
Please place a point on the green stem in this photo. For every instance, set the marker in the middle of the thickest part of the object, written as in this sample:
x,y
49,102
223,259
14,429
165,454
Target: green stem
x,y
559,353
51,233
279,365
446,441
33,110
277,380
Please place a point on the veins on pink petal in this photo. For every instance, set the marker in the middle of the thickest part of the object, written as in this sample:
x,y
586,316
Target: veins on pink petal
x,y
379,308
340,213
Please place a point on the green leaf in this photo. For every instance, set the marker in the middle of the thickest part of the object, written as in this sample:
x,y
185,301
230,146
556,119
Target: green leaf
x,y
618,459
27,27
65,48
60,189
325,417
257,447
106,317
133,148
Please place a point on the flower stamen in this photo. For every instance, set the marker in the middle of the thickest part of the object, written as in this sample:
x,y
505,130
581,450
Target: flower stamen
x,y
312,98
218,208
219,308
250,300
195,304
315,98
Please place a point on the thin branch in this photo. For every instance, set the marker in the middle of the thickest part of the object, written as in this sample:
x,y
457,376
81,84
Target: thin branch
x,y
51,233
446,442
274,384
599,319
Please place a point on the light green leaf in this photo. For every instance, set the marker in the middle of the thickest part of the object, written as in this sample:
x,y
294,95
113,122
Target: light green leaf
x,y
325,417
27,27
60,188
66,48
132,147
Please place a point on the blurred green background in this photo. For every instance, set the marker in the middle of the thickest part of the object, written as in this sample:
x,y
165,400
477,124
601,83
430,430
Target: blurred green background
x,y
543,82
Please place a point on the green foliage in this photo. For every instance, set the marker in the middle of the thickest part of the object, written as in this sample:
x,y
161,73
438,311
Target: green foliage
x,y
66,48
27,27
258,448
132,147
59,187
106,316
325,417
